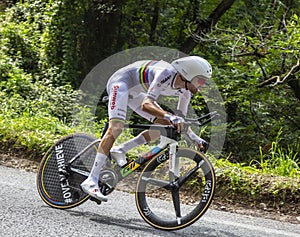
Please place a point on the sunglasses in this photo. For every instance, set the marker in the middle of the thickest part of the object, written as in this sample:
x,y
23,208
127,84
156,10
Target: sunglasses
x,y
199,81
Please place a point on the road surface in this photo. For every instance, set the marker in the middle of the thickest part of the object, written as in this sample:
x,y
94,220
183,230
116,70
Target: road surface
x,y
23,213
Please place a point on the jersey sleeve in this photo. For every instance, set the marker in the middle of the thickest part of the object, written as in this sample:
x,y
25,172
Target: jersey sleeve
x,y
183,103
162,79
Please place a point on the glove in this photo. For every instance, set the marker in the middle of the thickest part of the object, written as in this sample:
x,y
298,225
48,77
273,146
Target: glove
x,y
174,119
201,143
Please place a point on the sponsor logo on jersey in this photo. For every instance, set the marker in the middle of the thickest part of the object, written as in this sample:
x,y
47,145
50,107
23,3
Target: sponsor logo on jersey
x,y
114,97
165,79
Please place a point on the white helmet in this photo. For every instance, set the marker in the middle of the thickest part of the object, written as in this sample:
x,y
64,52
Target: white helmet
x,y
192,66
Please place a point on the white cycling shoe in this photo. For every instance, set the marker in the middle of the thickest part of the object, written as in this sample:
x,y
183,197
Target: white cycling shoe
x,y
91,188
118,155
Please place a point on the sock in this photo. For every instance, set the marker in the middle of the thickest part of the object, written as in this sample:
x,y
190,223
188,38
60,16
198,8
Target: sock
x,y
134,142
98,164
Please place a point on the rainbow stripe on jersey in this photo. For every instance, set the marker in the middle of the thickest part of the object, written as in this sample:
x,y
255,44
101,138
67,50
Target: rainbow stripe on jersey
x,y
144,74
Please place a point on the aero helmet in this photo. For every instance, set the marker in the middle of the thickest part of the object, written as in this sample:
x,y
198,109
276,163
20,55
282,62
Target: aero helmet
x,y
192,66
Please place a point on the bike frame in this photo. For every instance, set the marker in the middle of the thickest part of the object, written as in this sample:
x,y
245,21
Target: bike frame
x,y
169,138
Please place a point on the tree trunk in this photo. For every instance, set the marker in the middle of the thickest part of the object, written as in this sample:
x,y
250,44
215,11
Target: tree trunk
x,y
154,21
204,26
295,85
101,29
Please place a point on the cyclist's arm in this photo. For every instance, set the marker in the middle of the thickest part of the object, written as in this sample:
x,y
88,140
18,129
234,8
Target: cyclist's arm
x,y
160,82
163,117
184,101
201,143
150,106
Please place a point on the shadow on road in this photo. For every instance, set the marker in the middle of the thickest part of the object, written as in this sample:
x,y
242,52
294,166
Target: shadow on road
x,y
141,226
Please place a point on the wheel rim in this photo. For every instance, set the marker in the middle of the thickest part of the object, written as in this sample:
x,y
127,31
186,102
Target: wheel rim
x,y
162,215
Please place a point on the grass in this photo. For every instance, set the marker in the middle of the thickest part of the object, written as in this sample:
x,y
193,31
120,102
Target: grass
x,y
247,185
280,161
35,133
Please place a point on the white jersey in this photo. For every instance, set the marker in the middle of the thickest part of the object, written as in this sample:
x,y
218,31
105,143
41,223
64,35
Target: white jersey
x,y
145,79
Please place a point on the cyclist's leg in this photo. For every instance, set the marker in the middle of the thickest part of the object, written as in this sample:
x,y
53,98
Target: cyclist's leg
x,y
153,135
145,136
118,152
118,97
113,132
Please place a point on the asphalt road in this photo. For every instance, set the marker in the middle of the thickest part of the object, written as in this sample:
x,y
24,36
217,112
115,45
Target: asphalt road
x,y
23,213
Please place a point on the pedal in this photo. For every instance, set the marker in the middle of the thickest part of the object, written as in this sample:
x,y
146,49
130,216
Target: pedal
x,y
95,200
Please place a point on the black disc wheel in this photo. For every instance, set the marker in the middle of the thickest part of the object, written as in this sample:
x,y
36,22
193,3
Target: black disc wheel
x,y
57,185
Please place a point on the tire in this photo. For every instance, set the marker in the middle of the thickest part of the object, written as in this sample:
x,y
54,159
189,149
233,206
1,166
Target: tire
x,y
67,193
154,201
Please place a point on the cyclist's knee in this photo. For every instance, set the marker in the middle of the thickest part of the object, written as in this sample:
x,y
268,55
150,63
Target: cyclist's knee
x,y
151,135
115,128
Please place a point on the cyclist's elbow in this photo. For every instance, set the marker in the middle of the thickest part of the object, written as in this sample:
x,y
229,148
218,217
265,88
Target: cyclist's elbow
x,y
147,105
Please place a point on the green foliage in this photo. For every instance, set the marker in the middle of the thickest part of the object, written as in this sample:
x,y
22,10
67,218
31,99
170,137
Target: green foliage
x,y
33,133
164,23
60,38
42,37
280,161
34,130
249,183
20,94
247,57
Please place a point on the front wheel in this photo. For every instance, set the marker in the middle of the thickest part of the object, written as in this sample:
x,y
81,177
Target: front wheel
x,y
174,205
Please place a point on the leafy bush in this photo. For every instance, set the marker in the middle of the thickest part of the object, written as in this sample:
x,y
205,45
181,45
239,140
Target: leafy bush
x,y
21,94
256,111
31,133
34,133
242,183
280,161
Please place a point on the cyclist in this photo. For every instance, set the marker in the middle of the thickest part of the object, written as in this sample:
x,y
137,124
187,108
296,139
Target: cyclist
x,y
138,86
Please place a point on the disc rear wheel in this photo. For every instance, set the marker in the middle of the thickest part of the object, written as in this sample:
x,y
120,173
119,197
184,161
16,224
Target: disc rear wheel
x,y
56,184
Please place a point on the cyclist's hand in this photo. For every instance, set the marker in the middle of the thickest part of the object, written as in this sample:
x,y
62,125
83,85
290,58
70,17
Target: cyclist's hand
x,y
199,142
175,120
202,144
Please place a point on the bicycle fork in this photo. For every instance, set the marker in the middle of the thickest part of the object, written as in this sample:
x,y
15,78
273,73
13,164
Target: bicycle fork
x,y
174,174
173,162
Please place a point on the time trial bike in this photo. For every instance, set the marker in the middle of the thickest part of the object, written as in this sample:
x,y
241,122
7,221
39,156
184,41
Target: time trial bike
x,y
175,185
